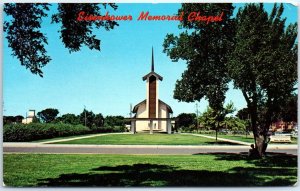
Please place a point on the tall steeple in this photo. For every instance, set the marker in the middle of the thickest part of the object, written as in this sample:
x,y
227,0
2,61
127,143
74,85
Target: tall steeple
x,y
152,73
152,63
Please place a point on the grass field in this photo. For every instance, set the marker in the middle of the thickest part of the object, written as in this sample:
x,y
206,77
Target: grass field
x,y
248,139
60,138
146,139
217,169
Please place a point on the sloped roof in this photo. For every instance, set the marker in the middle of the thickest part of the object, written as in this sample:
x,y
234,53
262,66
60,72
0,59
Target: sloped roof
x,y
168,107
152,74
136,107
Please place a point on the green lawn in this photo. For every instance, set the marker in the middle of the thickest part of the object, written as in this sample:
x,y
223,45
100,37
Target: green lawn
x,y
217,169
248,139
60,138
145,139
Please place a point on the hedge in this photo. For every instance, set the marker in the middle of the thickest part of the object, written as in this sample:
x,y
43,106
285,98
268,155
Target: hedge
x,y
36,131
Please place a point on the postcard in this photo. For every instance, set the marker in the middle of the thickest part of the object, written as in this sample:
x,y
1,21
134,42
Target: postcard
x,y
150,94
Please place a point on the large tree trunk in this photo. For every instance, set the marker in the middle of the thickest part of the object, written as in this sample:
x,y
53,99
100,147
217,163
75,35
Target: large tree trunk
x,y
261,136
261,144
259,132
217,127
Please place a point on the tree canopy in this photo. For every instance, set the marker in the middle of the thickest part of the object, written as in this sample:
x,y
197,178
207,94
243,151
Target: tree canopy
x,y
23,30
255,50
214,119
263,64
48,115
186,120
205,48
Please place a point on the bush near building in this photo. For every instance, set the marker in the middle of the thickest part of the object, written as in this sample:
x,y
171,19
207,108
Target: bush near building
x,y
38,131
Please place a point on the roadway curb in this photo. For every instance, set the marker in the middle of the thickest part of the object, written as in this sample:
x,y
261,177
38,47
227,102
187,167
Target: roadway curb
x,y
212,147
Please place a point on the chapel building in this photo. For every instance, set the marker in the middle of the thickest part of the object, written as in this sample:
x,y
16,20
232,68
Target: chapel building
x,y
152,114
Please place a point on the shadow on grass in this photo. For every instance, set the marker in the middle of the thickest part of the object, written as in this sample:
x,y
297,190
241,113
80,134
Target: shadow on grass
x,y
145,175
271,160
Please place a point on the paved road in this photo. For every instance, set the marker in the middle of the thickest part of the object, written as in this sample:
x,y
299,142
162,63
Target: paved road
x,y
135,149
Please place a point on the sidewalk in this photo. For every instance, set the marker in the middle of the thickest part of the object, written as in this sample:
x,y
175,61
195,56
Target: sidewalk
x,y
81,137
221,139
270,146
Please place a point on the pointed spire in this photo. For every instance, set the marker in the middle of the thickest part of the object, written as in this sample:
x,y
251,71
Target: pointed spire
x,y
152,64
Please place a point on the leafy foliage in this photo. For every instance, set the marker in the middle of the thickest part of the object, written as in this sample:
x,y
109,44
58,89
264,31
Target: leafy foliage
x,y
213,119
243,114
111,121
36,131
76,33
288,111
68,119
48,115
89,119
28,42
263,64
86,118
12,119
205,47
233,123
24,36
99,120
255,50
185,120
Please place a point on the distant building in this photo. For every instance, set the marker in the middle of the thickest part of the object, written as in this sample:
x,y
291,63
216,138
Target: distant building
x,y
281,126
29,117
152,114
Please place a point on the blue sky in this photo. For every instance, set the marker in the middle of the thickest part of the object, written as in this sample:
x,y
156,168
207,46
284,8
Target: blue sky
x,y
109,81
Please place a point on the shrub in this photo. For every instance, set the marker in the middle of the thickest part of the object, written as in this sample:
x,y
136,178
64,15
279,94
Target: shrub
x,y
36,131
108,129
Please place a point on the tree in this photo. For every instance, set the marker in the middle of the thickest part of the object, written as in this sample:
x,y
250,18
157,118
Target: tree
x,y
113,121
87,118
214,119
206,48
99,120
186,120
19,118
28,42
69,119
243,114
235,124
12,119
263,65
288,111
255,51
48,115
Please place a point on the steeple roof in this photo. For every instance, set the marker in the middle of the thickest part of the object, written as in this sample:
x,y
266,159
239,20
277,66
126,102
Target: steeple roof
x,y
152,73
